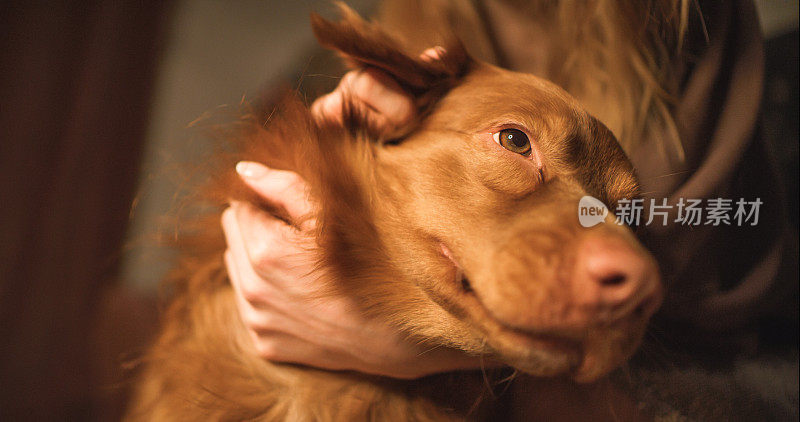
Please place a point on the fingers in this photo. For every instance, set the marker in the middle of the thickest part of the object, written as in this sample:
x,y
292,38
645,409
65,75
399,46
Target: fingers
x,y
329,107
246,282
264,303
266,249
272,246
379,100
284,188
247,310
270,330
279,346
381,94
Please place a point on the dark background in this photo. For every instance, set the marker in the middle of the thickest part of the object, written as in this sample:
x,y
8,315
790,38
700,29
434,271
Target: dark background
x,y
83,91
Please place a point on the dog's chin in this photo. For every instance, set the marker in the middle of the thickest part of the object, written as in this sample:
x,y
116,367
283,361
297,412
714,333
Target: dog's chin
x,y
585,354
607,348
536,354
597,353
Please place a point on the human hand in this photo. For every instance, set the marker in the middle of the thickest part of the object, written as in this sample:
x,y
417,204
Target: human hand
x,y
385,107
282,301
281,298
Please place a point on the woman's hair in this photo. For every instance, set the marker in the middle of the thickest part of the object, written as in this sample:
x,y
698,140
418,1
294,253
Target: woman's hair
x,y
619,58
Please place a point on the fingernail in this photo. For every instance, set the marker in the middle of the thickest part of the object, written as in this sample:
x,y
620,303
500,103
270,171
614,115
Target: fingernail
x,y
433,54
251,169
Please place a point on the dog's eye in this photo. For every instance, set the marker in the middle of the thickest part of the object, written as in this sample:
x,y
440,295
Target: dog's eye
x,y
513,140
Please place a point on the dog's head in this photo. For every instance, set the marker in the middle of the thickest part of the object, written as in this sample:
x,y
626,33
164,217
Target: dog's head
x,y
465,231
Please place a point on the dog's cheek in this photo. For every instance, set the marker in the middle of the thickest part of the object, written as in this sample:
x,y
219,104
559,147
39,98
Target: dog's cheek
x,y
514,181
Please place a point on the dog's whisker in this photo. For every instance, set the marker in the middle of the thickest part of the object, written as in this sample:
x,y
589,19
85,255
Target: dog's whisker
x,y
323,75
303,75
438,346
484,374
668,175
510,377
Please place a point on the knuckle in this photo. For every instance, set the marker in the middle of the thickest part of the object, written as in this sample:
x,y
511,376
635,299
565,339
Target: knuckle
x,y
379,122
328,106
262,253
266,322
263,259
348,80
281,242
259,322
404,113
318,108
252,293
248,317
365,85
294,180
284,181
228,261
267,349
226,215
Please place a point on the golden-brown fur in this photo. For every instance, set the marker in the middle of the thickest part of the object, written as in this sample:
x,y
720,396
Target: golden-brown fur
x,y
385,210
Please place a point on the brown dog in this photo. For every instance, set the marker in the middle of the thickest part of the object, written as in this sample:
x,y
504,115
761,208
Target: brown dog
x,y
464,233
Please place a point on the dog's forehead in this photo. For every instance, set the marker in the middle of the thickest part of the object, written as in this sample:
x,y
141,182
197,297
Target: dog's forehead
x,y
490,95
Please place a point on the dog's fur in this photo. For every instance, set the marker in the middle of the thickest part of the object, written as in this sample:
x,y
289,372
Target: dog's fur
x,y
385,210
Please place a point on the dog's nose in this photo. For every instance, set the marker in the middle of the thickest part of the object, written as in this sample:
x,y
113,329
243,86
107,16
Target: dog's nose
x,y
615,277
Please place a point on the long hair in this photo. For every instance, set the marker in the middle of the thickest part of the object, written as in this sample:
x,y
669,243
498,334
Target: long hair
x,y
621,59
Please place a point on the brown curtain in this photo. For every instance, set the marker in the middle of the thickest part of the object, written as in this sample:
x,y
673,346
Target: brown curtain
x,y
75,83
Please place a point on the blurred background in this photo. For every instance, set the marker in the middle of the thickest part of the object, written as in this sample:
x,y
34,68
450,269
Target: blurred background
x,y
96,99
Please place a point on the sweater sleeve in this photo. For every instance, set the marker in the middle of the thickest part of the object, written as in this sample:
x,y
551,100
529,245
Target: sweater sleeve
x,y
718,276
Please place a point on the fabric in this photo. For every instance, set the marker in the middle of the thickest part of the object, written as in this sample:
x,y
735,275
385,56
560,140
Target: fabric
x,y
76,83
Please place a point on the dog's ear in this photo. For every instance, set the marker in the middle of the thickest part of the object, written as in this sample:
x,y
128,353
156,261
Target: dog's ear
x,y
364,44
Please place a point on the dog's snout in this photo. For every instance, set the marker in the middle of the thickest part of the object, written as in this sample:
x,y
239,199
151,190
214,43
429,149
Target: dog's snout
x,y
614,277
543,282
